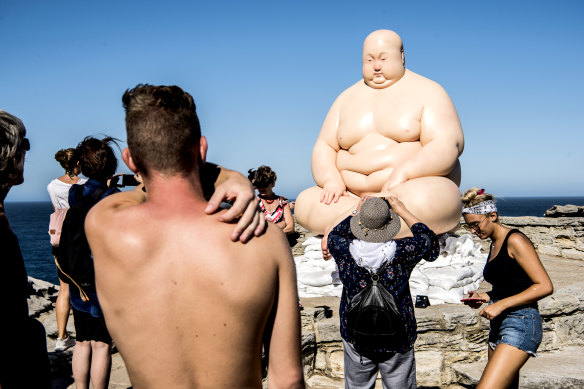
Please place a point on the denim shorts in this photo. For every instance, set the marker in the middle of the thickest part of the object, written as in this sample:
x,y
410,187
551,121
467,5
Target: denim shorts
x,y
521,328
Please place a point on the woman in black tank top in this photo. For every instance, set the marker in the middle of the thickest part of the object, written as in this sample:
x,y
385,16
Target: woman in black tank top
x,y
519,280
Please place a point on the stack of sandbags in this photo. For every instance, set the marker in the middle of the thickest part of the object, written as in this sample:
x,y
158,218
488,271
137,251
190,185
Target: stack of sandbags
x,y
316,277
457,271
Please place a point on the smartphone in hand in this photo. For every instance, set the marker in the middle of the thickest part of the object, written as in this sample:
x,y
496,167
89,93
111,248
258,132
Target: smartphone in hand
x,y
473,300
122,180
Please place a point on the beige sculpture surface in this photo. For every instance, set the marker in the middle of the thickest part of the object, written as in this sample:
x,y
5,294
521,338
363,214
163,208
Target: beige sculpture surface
x,y
392,133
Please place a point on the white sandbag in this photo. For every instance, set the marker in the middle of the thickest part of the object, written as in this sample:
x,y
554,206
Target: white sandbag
x,y
441,261
448,273
418,280
448,283
438,295
313,247
313,255
473,286
312,240
317,278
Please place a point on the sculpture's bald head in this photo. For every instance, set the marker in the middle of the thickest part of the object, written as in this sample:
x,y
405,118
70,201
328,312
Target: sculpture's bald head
x,y
383,59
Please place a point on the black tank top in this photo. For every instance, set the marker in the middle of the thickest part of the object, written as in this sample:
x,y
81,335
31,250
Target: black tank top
x,y
504,273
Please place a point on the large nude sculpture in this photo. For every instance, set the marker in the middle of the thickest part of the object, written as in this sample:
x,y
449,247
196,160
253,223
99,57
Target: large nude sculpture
x,y
394,133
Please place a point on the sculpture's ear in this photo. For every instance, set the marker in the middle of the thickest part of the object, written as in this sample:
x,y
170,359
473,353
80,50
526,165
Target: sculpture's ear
x,y
403,58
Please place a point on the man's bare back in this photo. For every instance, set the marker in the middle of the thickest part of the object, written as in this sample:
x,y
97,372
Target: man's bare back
x,y
186,306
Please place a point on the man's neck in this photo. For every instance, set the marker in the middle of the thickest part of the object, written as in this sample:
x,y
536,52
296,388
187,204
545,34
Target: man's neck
x,y
169,190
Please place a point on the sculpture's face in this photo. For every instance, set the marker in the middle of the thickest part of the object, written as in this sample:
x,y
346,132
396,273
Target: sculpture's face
x,y
383,61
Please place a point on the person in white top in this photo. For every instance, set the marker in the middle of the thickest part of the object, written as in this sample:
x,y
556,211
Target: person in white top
x,y
59,192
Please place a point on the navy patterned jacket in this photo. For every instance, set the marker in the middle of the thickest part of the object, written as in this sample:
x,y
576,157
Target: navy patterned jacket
x,y
423,245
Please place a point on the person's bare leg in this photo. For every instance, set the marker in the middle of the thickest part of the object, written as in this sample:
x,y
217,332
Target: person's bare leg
x,y
63,307
502,370
101,364
81,363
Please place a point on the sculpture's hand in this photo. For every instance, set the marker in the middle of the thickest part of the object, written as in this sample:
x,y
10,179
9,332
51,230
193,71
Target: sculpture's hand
x,y
332,192
397,177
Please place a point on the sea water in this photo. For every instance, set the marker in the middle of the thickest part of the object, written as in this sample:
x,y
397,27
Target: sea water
x,y
30,222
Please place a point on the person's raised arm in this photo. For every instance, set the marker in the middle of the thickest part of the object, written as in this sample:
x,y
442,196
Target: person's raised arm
x,y
285,355
521,249
230,185
441,138
424,244
324,158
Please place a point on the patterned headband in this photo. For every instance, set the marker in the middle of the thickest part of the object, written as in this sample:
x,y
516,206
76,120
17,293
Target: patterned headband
x,y
481,208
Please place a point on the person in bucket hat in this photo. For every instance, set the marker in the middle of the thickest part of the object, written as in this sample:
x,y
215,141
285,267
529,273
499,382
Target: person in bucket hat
x,y
361,244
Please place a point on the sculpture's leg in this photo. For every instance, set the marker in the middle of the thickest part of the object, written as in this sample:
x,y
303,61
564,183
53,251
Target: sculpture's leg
x,y
434,200
315,216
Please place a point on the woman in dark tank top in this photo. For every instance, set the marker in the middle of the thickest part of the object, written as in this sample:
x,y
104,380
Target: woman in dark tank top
x,y
519,280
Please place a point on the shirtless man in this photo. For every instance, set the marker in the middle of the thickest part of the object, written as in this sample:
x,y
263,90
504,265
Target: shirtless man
x,y
395,134
186,306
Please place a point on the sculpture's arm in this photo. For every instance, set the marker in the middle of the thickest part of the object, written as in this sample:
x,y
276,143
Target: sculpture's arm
x,y
324,158
441,139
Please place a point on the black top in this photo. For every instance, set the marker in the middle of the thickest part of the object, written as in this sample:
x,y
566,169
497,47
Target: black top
x,y
504,273
13,281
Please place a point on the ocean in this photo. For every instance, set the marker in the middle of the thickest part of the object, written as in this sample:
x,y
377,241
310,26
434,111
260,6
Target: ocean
x,y
30,222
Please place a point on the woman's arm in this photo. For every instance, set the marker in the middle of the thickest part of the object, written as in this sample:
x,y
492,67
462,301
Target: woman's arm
x,y
521,249
288,220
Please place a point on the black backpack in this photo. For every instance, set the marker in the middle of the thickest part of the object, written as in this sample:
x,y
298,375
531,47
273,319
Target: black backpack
x,y
373,319
74,259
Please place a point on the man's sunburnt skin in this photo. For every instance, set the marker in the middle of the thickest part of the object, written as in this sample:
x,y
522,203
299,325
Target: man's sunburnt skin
x,y
393,133
186,306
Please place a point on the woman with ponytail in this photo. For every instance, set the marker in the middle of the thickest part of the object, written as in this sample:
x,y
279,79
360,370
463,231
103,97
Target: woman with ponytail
x,y
59,192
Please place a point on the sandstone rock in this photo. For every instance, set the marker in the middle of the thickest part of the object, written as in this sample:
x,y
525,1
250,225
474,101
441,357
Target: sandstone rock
x,y
429,368
550,250
428,319
558,304
336,360
328,331
554,370
38,305
323,382
434,340
565,211
468,374
320,361
458,315
573,254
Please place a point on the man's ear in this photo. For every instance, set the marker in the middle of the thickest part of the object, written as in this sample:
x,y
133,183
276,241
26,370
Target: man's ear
x,y
127,157
203,149
403,58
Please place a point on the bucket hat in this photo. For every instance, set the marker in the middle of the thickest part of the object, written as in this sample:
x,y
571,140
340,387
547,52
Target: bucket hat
x,y
376,222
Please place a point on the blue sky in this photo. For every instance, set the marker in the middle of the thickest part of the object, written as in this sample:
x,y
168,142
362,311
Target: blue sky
x,y
264,75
